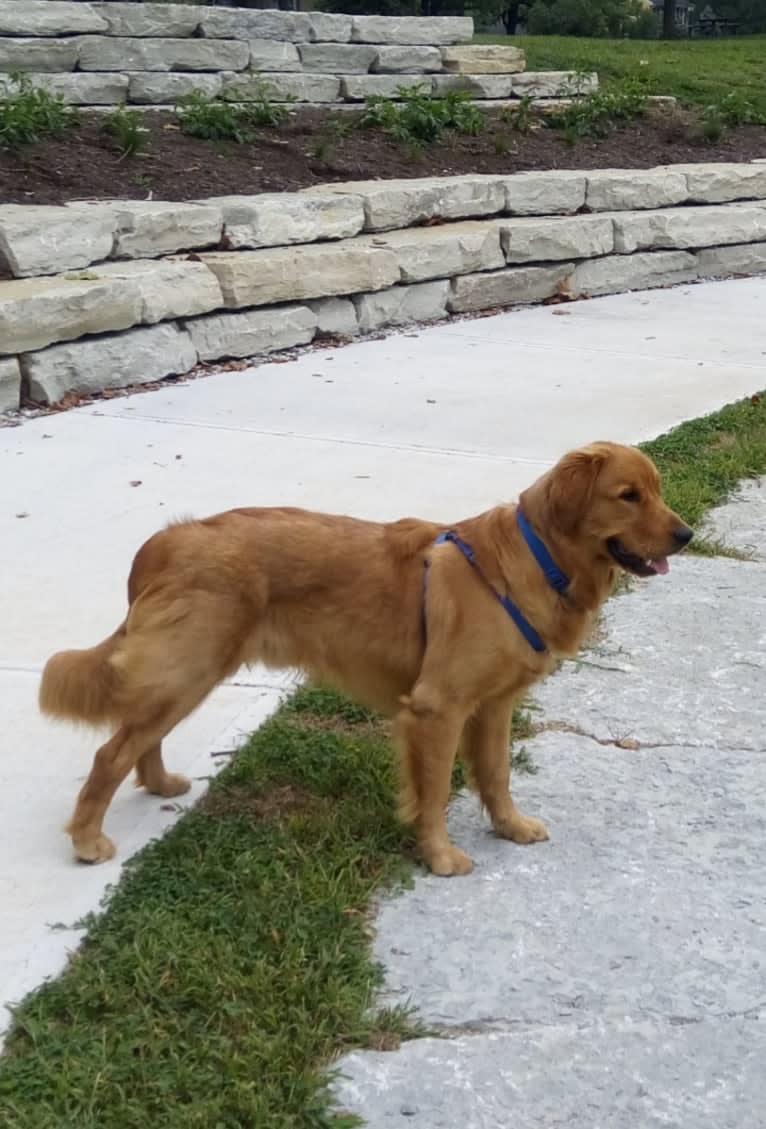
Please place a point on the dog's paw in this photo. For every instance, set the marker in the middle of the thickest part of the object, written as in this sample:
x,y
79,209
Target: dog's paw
x,y
448,862
522,829
173,784
98,848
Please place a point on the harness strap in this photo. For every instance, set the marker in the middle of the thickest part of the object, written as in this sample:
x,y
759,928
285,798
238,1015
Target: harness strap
x,y
553,574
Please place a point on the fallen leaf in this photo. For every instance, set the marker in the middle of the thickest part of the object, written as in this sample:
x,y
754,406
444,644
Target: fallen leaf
x,y
136,482
22,514
627,743
562,313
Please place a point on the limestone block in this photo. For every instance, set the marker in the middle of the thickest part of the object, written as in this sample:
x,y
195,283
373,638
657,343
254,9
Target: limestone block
x,y
406,203
38,54
254,23
336,317
168,288
156,20
540,240
153,88
80,89
35,312
99,53
549,193
477,85
277,218
487,59
622,190
148,228
47,240
283,274
426,301
282,87
40,17
10,384
337,58
251,332
720,183
402,31
741,258
616,273
407,60
138,356
510,287
553,84
444,250
329,27
689,227
355,88
271,55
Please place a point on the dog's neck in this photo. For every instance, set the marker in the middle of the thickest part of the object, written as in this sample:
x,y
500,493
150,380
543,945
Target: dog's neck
x,y
562,618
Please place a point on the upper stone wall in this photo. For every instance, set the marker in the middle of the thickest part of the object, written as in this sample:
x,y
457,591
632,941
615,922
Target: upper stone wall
x,y
152,54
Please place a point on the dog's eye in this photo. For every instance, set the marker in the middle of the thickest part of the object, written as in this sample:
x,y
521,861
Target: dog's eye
x,y
630,495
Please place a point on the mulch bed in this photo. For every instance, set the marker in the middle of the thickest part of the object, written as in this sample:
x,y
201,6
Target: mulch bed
x,y
306,149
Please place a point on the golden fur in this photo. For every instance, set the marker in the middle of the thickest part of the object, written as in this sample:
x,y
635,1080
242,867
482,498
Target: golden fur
x,y
342,599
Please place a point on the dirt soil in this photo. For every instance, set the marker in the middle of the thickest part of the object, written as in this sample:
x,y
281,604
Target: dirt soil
x,y
311,147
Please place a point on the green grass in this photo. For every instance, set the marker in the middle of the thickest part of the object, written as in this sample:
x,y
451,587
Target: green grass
x,y
697,71
703,460
232,963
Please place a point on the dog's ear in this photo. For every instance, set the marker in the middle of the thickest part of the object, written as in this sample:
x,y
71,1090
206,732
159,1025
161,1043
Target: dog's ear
x,y
570,486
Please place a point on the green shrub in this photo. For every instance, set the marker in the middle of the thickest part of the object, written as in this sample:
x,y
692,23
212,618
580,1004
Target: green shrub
x,y
213,119
521,117
419,118
28,114
596,114
127,129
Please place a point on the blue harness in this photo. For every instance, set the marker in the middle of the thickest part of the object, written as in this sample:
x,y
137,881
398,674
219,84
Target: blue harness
x,y
553,574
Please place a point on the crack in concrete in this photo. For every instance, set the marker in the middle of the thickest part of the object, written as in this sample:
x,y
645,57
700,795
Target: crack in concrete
x,y
631,744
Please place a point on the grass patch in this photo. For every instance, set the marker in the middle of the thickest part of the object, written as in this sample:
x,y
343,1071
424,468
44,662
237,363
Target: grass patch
x,y
233,961
696,71
703,460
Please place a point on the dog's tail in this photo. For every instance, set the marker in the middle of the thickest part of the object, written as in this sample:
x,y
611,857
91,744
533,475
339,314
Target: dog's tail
x,y
82,685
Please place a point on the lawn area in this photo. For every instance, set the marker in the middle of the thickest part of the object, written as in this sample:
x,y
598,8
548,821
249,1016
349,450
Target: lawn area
x,y
232,964
696,71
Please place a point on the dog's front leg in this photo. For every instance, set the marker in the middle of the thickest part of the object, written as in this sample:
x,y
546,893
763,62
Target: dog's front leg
x,y
485,746
428,730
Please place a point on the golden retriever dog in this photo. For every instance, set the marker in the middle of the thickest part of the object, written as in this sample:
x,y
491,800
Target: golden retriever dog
x,y
442,628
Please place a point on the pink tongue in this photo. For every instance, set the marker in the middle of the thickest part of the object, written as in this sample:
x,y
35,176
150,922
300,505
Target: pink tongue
x,y
661,565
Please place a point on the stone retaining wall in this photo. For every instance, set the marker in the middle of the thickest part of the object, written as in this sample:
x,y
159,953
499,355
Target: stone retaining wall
x,y
103,295
152,54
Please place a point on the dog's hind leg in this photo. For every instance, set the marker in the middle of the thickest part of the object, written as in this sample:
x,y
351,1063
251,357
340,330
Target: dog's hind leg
x,y
428,731
152,775
486,750
130,744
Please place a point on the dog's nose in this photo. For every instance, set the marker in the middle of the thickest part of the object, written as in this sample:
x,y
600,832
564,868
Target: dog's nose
x,y
683,535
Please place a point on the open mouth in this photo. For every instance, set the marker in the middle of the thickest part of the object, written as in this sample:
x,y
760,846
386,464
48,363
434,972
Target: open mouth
x,y
631,562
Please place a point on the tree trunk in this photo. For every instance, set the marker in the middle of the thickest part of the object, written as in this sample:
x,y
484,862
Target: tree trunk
x,y
669,19
510,17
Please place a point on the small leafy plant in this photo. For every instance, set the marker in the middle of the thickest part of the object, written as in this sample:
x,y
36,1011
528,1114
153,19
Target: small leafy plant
x,y
418,118
126,128
521,117
29,113
597,114
215,119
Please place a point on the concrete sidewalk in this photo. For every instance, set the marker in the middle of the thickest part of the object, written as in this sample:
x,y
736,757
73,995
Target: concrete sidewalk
x,y
441,422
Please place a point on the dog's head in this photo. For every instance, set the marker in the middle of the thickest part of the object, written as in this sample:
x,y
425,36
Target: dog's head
x,y
608,498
